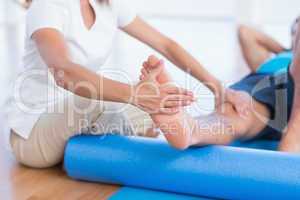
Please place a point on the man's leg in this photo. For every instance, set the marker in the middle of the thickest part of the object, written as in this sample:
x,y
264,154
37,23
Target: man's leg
x,y
256,46
221,127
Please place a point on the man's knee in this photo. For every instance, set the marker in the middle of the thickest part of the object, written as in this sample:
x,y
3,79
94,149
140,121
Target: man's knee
x,y
240,124
243,32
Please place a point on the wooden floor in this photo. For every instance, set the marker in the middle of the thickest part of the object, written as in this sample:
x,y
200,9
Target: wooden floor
x,y
18,183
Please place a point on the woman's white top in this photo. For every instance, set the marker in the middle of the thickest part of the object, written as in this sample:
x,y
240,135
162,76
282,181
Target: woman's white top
x,y
35,89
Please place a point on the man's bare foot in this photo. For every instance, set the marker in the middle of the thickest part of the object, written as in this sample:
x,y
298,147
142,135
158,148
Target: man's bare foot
x,y
175,127
152,132
152,63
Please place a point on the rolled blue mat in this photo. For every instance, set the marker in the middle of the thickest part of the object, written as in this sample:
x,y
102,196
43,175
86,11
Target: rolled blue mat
x,y
215,171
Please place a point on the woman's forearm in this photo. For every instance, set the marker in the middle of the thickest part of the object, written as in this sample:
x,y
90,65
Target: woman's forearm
x,y
88,84
148,95
185,61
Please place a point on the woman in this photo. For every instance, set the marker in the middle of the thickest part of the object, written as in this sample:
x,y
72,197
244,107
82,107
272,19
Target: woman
x,y
71,39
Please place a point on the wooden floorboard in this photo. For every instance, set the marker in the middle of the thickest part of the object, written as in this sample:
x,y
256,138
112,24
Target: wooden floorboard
x,y
21,183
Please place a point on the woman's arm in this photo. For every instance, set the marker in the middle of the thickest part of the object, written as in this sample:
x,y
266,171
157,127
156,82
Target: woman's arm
x,y
147,95
257,46
140,30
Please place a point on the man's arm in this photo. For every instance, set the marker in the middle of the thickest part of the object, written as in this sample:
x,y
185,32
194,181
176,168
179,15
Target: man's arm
x,y
291,139
256,46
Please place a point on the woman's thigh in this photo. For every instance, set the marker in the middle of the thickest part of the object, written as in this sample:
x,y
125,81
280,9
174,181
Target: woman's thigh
x,y
45,146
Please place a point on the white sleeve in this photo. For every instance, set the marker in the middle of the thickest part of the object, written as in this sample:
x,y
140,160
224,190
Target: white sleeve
x,y
125,12
46,14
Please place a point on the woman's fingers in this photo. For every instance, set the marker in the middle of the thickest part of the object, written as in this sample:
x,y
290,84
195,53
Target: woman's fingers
x,y
176,90
177,97
155,98
240,100
171,104
180,98
169,111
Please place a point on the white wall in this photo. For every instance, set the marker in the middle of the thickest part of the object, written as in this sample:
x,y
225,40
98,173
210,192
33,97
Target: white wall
x,y
189,8
11,38
207,29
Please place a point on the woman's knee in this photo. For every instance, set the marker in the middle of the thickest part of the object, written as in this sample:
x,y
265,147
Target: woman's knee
x,y
38,162
29,154
35,159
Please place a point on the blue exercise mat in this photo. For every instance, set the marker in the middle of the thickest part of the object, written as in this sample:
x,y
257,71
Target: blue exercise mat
x,y
278,64
215,171
127,193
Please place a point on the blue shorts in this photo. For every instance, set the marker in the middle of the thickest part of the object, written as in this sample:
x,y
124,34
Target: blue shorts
x,y
273,86
276,92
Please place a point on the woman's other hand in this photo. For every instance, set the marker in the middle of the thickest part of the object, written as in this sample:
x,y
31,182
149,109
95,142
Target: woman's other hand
x,y
240,100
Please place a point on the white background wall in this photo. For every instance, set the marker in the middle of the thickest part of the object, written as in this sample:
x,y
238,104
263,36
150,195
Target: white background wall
x,y
206,28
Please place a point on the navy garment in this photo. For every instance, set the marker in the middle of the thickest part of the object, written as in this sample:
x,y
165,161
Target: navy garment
x,y
273,88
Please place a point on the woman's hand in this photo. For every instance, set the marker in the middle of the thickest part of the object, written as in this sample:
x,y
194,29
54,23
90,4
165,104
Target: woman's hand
x,y
155,98
218,91
240,100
